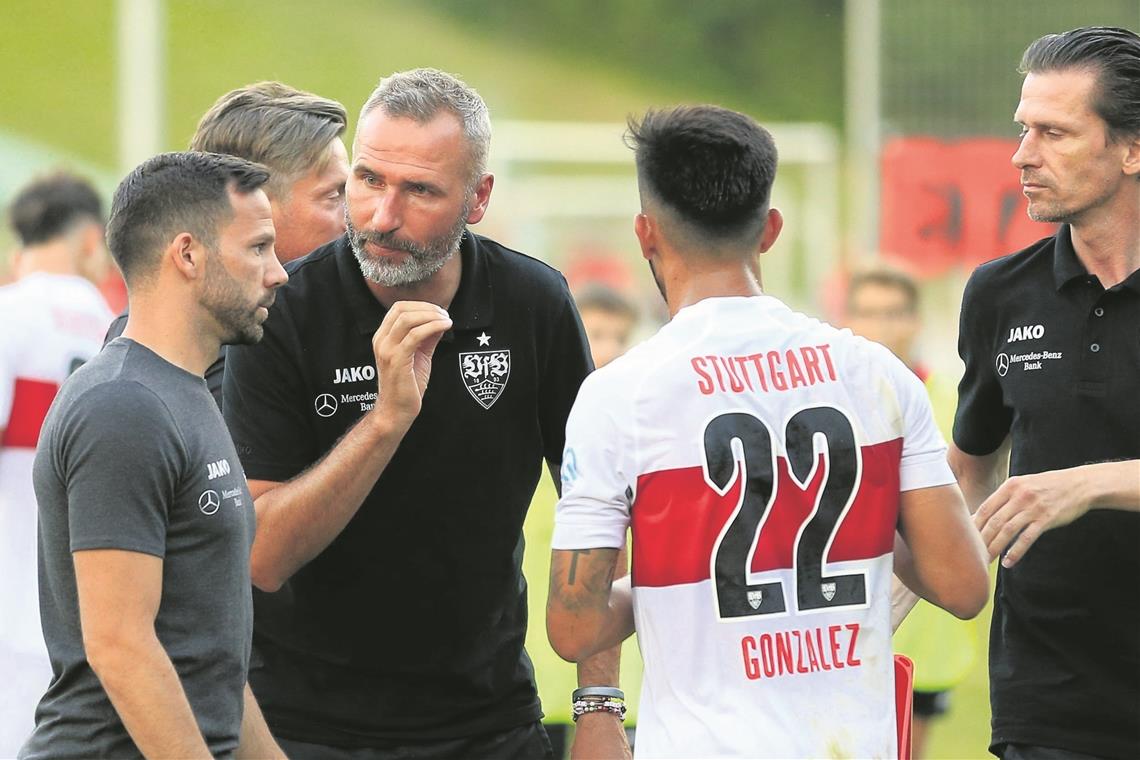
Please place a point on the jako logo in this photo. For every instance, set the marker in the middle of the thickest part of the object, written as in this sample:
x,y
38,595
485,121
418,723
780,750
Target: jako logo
x,y
1025,333
355,374
217,469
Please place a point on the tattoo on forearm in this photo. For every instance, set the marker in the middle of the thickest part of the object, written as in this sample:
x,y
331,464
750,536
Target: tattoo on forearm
x,y
574,565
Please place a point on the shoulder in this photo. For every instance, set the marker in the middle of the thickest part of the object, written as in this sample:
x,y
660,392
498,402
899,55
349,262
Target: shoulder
x,y
524,272
312,263
1012,269
123,378
313,288
315,271
620,383
117,412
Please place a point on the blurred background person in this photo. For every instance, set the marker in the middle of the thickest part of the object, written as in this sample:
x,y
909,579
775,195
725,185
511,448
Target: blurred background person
x,y
297,136
882,305
610,319
53,320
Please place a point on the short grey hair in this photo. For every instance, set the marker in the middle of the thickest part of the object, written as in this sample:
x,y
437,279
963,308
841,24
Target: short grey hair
x,y
421,94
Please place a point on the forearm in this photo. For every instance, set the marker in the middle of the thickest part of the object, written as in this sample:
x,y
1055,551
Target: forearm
x,y
979,476
145,690
939,554
587,612
1112,485
256,740
905,584
298,519
603,668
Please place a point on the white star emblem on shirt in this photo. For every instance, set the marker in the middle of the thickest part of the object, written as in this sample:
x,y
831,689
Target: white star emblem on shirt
x,y
483,338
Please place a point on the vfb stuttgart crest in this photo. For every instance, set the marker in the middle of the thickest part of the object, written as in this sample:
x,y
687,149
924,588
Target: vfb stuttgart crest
x,y
755,599
485,374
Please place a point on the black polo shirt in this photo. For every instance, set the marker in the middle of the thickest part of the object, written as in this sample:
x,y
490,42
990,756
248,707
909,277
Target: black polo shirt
x,y
411,623
1053,359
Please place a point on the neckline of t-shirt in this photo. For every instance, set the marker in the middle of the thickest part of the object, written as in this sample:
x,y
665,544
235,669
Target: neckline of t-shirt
x,y
196,379
730,302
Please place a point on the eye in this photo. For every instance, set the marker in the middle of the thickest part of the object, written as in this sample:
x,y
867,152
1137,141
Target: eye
x,y
417,188
372,180
1022,132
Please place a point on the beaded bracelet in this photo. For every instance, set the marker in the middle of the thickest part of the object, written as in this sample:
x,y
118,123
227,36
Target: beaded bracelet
x,y
586,705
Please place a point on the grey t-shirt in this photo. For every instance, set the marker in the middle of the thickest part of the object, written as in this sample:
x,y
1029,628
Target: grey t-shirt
x,y
134,455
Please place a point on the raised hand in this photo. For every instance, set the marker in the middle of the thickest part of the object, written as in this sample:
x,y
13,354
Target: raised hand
x,y
403,346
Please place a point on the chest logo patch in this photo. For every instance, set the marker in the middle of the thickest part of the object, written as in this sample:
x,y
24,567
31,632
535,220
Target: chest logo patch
x,y
1002,364
325,405
209,502
485,373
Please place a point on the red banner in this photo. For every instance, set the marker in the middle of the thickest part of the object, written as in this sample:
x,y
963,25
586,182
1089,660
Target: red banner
x,y
947,204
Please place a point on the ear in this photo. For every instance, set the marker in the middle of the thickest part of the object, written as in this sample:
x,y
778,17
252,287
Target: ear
x,y
93,240
93,256
1132,158
645,228
187,256
482,198
772,227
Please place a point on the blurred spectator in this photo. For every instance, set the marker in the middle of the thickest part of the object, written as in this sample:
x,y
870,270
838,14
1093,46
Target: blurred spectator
x,y
54,319
883,306
609,318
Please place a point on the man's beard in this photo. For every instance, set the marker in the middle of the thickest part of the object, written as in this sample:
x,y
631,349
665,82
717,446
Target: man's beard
x,y
423,259
1055,212
229,306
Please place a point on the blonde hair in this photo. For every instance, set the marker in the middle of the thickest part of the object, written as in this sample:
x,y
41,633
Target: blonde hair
x,y
285,129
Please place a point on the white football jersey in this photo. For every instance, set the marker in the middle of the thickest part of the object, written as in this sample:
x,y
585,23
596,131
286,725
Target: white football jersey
x,y
759,455
51,325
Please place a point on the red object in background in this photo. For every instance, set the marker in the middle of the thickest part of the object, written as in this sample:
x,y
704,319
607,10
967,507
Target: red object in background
x,y
904,702
947,204
587,265
114,291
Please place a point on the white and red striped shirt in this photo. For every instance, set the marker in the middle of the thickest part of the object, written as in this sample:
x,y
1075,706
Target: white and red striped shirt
x,y
51,325
759,455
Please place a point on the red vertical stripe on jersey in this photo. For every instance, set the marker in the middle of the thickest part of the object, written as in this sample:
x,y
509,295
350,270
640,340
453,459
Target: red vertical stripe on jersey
x,y
677,517
30,403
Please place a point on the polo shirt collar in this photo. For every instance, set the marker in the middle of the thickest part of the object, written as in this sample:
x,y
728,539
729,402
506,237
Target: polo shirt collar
x,y
1066,266
471,308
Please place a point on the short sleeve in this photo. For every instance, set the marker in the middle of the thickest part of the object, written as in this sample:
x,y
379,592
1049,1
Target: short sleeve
x,y
982,421
923,462
597,472
264,408
568,362
122,457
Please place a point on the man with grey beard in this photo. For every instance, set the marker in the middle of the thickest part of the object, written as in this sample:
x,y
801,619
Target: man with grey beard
x,y
391,609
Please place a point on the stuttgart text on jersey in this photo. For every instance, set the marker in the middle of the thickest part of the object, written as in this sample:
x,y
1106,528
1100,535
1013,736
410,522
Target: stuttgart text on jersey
x,y
766,371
